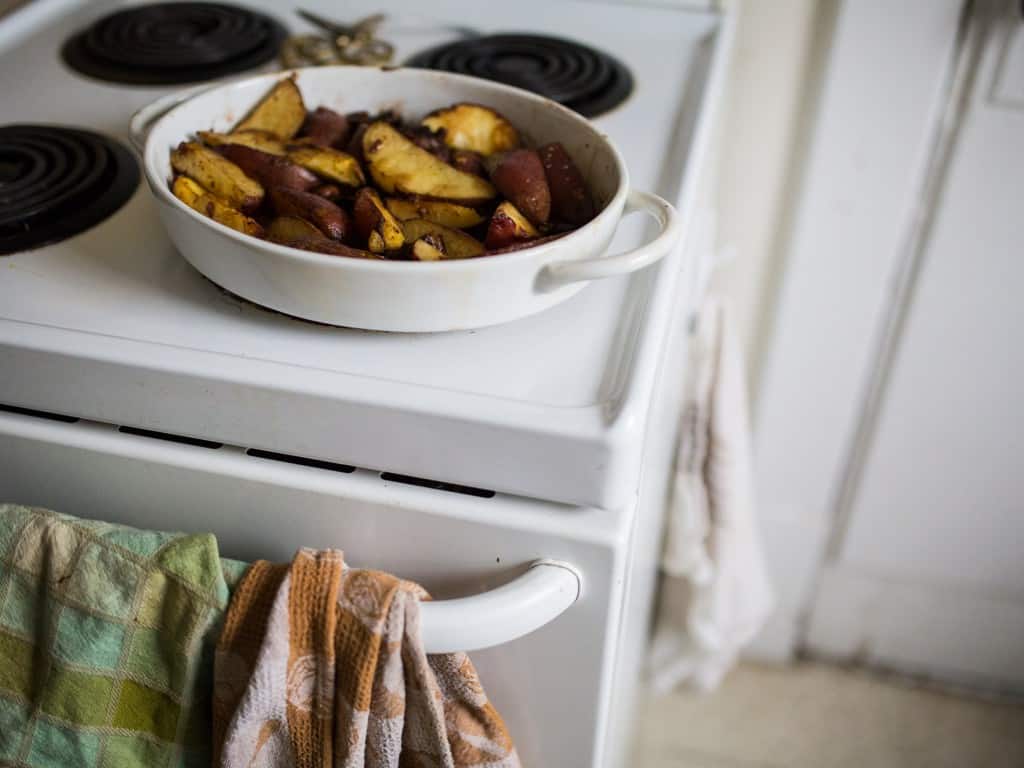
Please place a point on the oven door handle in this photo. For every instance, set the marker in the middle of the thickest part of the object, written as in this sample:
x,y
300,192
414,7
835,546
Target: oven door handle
x,y
501,615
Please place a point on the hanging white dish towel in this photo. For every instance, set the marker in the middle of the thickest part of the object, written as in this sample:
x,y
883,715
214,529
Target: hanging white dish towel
x,y
715,594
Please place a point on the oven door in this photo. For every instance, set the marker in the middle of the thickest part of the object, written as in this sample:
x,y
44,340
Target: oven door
x,y
552,685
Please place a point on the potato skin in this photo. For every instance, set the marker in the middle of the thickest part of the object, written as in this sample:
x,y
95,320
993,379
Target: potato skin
x,y
456,244
331,220
508,226
570,201
269,170
438,211
468,161
331,164
325,128
331,192
522,245
291,228
519,177
218,175
323,244
375,224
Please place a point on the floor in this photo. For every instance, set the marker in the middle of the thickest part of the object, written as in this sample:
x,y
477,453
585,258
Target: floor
x,y
819,716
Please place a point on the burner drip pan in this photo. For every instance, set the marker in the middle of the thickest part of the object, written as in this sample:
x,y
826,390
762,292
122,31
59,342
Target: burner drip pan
x,y
575,75
56,182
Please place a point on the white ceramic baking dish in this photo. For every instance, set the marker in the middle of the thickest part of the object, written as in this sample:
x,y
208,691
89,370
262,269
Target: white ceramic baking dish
x,y
399,295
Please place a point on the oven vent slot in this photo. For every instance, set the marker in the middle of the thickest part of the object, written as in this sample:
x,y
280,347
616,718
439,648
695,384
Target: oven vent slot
x,y
300,460
39,414
195,441
437,485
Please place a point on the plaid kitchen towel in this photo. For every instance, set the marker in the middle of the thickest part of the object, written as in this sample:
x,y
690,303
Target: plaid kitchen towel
x,y
106,642
322,665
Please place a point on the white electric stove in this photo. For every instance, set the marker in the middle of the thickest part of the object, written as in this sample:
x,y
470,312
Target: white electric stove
x,y
134,390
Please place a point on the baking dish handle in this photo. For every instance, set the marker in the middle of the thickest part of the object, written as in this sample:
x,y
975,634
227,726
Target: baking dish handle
x,y
492,618
559,273
143,119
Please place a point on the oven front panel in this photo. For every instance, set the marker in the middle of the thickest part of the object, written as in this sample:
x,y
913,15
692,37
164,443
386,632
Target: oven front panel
x,y
552,686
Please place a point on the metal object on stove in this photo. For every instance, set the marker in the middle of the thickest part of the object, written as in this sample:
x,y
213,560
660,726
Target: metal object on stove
x,y
174,43
346,43
582,78
57,182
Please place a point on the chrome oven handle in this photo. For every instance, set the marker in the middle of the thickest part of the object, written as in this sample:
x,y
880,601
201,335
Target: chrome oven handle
x,y
501,615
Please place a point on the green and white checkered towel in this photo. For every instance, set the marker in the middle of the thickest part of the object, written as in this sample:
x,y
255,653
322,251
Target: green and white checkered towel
x,y
106,642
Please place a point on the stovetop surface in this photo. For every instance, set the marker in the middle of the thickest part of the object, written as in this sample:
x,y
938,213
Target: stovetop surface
x,y
123,281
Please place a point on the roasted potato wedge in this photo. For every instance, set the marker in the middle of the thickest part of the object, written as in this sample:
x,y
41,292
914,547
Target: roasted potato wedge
x,y
508,226
324,127
438,211
570,200
398,165
424,138
321,244
218,175
473,127
375,224
519,176
197,198
428,248
269,170
329,163
291,228
331,191
521,245
468,162
280,113
325,215
260,140
456,244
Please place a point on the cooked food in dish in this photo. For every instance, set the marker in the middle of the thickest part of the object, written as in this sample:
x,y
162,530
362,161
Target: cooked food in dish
x,y
462,182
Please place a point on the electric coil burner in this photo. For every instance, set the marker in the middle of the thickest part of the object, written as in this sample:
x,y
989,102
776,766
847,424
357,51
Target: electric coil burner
x,y
174,43
57,182
575,75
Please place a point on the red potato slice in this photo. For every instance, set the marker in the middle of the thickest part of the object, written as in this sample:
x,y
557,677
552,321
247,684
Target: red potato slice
x,y
280,113
508,226
332,221
519,177
217,174
325,128
438,211
261,140
429,248
269,170
398,165
375,224
473,127
570,201
197,198
457,244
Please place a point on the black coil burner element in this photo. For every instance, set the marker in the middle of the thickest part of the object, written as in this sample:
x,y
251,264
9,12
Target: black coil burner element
x,y
174,43
56,182
575,75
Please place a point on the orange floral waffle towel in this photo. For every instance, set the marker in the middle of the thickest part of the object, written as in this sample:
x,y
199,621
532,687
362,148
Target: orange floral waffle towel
x,y
322,665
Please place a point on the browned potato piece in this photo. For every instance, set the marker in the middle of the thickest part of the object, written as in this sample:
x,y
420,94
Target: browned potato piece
x,y
457,245
291,228
468,162
570,201
428,248
424,138
508,226
519,176
473,127
398,165
217,174
324,127
437,211
260,140
197,198
521,245
281,112
330,164
328,218
269,170
331,191
321,244
375,224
